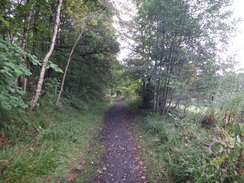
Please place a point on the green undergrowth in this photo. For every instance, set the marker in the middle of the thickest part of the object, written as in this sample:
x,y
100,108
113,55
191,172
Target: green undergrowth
x,y
51,144
175,150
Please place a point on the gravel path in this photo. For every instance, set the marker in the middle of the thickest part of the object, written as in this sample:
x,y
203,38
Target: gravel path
x,y
121,163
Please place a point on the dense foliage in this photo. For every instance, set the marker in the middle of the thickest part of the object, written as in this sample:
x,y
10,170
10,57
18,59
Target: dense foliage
x,y
177,47
26,31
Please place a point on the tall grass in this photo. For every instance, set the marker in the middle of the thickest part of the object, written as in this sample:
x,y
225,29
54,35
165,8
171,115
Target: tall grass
x,y
54,144
184,150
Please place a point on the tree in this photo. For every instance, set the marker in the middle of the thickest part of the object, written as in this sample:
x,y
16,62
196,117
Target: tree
x,y
83,22
46,58
176,42
93,54
29,24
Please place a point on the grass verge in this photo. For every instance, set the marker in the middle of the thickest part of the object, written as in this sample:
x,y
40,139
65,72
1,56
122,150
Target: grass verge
x,y
56,144
183,151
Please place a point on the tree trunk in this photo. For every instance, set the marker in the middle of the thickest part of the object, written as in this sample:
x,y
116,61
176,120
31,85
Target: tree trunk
x,y
22,79
47,56
157,94
158,79
169,70
155,99
165,96
79,79
170,101
155,88
68,62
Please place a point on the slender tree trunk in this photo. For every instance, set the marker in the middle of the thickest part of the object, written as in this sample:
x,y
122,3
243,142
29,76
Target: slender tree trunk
x,y
27,26
71,53
165,96
47,56
155,87
79,79
155,98
35,46
156,79
167,80
170,101
158,94
169,71
158,67
22,79
158,89
68,62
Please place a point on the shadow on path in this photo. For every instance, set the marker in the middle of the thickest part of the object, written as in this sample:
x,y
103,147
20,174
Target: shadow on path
x,y
121,162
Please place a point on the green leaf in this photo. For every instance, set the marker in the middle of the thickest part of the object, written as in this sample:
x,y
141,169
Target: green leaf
x,y
49,64
16,74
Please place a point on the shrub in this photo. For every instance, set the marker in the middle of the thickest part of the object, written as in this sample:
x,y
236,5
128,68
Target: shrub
x,y
11,66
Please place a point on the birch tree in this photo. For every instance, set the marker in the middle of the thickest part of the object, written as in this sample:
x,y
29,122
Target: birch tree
x,y
47,56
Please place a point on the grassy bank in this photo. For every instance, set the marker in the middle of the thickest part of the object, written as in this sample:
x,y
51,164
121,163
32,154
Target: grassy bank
x,y
52,144
175,150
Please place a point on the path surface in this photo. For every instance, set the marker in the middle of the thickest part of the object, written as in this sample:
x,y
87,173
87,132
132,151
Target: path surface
x,y
121,162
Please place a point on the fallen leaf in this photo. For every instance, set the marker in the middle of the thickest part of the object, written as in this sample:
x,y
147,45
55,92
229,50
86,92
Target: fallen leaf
x,y
71,179
82,163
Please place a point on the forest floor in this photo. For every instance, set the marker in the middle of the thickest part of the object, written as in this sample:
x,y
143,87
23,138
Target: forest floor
x,y
121,162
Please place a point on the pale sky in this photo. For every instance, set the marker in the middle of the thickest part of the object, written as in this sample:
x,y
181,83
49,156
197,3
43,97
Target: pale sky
x,y
238,41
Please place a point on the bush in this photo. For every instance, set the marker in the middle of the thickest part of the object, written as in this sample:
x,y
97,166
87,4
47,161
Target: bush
x,y
11,67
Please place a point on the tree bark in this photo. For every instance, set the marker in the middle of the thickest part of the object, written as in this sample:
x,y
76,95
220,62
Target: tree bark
x,y
46,58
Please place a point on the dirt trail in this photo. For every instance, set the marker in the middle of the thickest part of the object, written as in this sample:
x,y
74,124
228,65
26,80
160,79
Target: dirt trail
x,y
121,162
